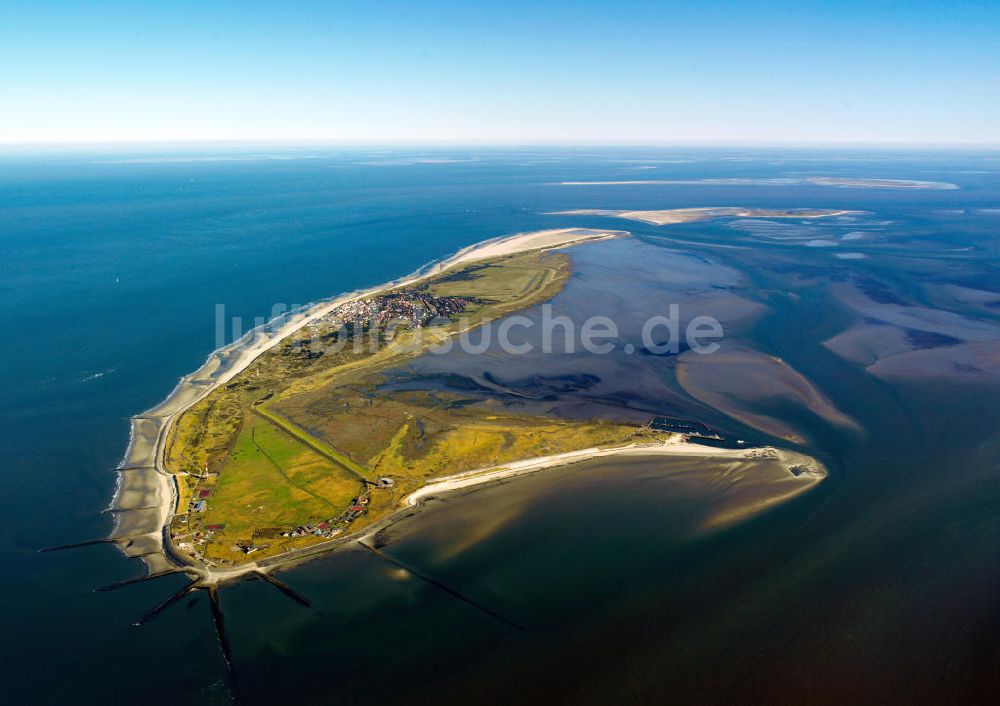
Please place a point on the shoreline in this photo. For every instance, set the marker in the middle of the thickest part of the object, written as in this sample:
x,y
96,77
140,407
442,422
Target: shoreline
x,y
675,445
145,496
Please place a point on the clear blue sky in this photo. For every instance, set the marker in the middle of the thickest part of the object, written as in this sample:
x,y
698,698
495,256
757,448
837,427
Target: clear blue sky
x,y
482,71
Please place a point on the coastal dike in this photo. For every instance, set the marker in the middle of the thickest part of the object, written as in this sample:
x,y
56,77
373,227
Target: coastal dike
x,y
146,494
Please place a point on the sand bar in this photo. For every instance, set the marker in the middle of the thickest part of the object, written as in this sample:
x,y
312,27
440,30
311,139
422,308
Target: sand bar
x,y
691,215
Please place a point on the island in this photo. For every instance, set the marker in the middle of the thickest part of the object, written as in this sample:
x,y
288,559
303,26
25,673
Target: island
x,y
305,434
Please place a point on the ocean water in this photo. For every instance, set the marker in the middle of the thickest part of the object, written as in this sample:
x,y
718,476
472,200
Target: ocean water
x,y
882,584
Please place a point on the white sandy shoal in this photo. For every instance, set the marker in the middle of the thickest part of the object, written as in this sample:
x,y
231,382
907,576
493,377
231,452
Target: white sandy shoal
x,y
687,215
675,446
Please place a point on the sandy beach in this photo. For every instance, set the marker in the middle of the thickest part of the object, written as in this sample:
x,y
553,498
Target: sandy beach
x,y
524,242
809,470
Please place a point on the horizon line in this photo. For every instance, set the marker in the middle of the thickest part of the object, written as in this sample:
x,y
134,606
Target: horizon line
x,y
487,143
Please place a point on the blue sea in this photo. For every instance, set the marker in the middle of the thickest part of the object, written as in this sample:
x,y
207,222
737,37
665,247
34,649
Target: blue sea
x,y
113,265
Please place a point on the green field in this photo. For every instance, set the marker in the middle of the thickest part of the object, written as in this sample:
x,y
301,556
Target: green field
x,y
278,481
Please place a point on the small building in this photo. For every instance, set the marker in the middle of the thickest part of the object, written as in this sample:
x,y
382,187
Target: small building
x,y
200,506
386,482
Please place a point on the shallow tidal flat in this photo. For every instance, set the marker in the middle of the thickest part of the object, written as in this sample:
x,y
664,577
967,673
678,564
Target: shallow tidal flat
x,y
630,281
743,383
902,340
654,501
